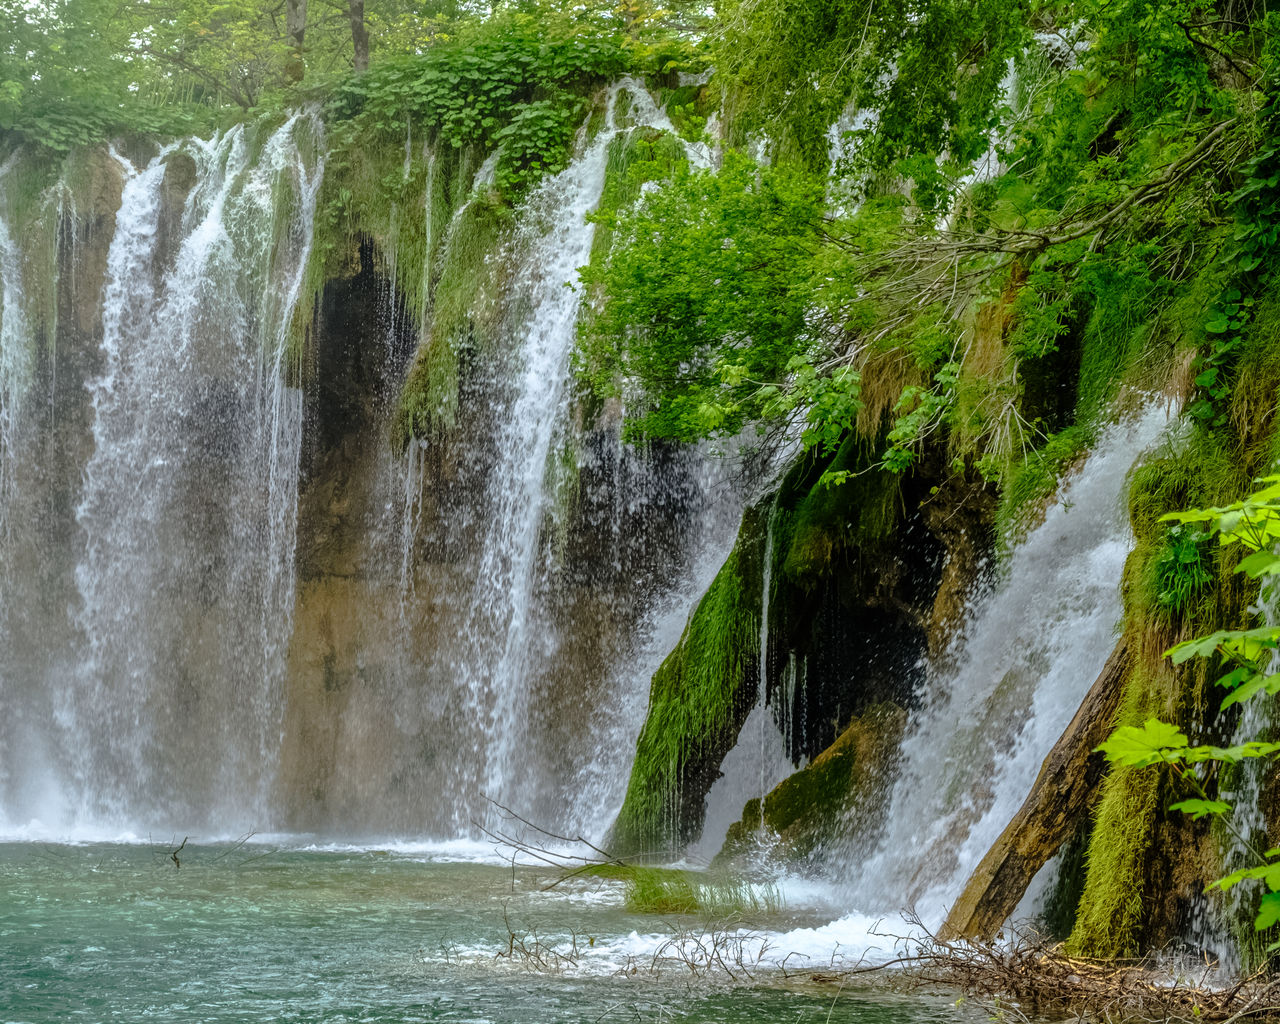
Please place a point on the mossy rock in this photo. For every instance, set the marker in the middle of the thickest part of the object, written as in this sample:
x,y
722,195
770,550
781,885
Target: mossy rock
x,y
807,809
818,523
698,700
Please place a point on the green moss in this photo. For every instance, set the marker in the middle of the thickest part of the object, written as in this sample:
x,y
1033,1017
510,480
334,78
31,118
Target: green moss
x,y
463,315
1112,917
817,522
810,806
622,110
31,196
697,701
1110,921
396,194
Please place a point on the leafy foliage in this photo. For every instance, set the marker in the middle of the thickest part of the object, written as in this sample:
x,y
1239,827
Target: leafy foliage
x,y
708,301
1253,523
929,70
1180,567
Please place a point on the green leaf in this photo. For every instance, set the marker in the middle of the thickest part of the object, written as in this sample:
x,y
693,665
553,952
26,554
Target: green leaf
x,y
1268,911
1257,683
1269,873
1200,808
1139,747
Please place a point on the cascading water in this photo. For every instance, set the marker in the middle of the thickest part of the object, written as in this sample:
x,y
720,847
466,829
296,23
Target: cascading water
x,y
167,708
996,704
456,649
507,638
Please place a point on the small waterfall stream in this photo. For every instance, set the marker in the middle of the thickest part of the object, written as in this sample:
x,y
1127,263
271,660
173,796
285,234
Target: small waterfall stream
x,y
15,352
996,704
759,760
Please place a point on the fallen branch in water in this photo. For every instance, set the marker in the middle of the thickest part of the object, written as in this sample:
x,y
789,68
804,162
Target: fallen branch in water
x,y
1026,977
577,854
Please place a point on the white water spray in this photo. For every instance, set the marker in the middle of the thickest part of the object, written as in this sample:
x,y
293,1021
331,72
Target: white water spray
x,y
1031,649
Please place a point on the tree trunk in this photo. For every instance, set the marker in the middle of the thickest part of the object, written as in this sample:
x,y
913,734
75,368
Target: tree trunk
x,y
1067,785
295,27
359,36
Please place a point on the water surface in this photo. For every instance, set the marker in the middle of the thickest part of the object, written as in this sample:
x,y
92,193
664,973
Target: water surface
x,y
257,932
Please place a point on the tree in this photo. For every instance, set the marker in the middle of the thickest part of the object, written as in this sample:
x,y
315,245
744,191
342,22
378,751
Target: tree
x,y
359,36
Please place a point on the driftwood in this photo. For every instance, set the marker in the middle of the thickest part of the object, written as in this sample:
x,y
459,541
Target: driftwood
x,y
1065,788
1020,979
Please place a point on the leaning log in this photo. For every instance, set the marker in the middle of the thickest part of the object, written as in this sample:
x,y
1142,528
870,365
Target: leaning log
x,y
1066,787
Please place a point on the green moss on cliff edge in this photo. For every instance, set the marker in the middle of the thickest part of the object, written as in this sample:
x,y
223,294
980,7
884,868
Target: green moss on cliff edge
x,y
697,702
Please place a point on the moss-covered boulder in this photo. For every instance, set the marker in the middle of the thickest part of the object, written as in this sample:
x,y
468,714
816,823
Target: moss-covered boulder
x,y
847,781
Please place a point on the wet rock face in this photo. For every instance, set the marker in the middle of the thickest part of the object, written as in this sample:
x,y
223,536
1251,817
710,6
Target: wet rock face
x,y
341,644
57,433
355,362
378,730
180,174
856,573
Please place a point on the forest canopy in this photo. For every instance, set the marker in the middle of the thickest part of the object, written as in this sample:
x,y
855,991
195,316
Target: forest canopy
x,y
925,180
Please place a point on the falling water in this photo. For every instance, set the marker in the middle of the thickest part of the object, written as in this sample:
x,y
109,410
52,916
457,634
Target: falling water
x,y
15,378
185,588
15,351
1031,649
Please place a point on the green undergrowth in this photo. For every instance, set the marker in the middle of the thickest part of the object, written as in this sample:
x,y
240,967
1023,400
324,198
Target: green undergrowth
x,y
1126,328
1176,586
666,891
689,107
697,701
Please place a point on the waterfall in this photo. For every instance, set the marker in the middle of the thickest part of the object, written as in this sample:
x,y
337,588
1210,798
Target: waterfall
x,y
15,377
166,703
486,630
504,632
758,760
994,707
491,628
